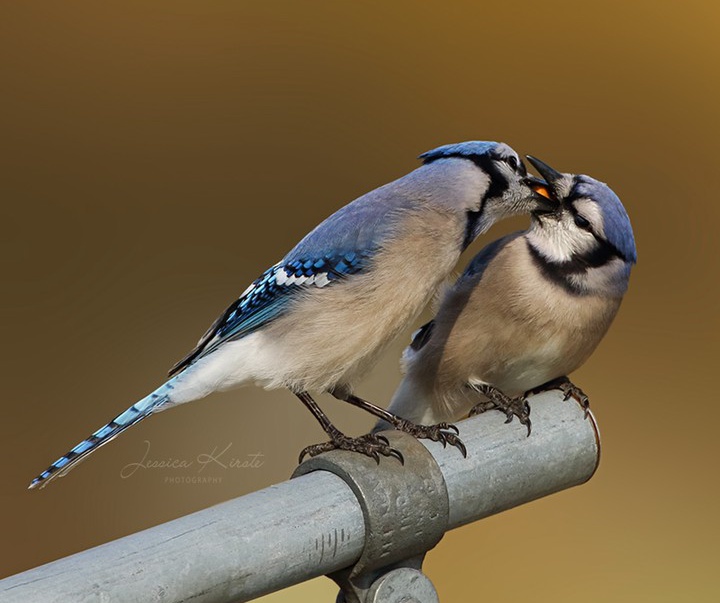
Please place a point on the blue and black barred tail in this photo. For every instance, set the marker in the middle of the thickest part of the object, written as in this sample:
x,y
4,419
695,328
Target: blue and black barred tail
x,y
132,415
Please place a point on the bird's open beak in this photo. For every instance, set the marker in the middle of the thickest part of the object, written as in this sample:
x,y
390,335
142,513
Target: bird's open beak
x,y
544,188
550,174
544,200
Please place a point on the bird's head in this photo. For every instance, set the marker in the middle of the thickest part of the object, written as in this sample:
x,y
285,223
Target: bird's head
x,y
501,187
587,236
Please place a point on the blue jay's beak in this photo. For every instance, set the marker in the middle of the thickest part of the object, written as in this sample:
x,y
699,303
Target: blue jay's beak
x,y
544,188
550,174
544,199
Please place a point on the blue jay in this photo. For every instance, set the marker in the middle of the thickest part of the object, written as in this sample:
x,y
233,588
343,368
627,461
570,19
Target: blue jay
x,y
529,309
318,319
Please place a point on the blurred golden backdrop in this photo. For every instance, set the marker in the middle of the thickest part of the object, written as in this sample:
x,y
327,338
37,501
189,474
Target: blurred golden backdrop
x,y
157,156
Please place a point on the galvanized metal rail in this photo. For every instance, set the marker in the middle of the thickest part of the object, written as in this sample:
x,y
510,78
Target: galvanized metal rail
x,y
367,526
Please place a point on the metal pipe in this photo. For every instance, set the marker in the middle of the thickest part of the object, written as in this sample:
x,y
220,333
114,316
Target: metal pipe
x,y
313,525
505,468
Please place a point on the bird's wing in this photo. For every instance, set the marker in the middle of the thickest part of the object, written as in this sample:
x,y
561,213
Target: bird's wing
x,y
340,246
269,295
422,336
481,261
467,280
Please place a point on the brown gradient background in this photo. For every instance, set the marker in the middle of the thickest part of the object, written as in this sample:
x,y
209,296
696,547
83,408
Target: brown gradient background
x,y
157,156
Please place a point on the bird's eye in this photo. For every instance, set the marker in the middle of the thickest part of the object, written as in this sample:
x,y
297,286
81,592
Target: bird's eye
x,y
581,222
513,162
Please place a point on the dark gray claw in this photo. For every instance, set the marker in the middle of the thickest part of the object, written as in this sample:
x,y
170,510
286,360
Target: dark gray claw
x,y
449,427
458,443
569,390
398,455
497,400
442,432
370,445
374,437
437,433
383,439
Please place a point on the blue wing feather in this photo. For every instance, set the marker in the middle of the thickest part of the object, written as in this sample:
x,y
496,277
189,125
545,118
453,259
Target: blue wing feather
x,y
338,247
269,297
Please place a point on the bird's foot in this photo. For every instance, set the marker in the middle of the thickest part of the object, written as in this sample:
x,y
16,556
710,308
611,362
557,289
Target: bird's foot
x,y
372,445
497,400
445,433
568,389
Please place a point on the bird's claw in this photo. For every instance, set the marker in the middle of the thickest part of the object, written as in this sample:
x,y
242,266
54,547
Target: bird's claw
x,y
512,407
568,390
382,439
450,427
445,433
372,445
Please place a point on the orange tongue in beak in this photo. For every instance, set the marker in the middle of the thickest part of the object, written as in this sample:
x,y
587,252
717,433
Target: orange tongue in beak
x,y
541,189
544,197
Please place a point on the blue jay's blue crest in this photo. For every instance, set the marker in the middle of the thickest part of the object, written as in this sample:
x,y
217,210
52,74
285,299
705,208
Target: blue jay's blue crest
x,y
618,230
468,149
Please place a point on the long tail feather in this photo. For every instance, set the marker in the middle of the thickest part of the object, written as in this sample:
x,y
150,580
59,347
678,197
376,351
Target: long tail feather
x,y
137,412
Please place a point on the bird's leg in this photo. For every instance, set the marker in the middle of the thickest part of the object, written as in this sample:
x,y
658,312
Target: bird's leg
x,y
370,445
442,432
497,400
569,390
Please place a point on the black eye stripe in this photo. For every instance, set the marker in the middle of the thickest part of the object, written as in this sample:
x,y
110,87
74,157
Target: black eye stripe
x,y
486,162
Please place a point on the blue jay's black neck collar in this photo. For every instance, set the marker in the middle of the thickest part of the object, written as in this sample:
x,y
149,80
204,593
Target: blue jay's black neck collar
x,y
568,274
498,184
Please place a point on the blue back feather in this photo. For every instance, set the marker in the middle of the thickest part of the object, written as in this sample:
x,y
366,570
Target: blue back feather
x,y
360,227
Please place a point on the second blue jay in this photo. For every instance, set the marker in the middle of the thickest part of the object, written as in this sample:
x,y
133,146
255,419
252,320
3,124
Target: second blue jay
x,y
318,319
529,309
